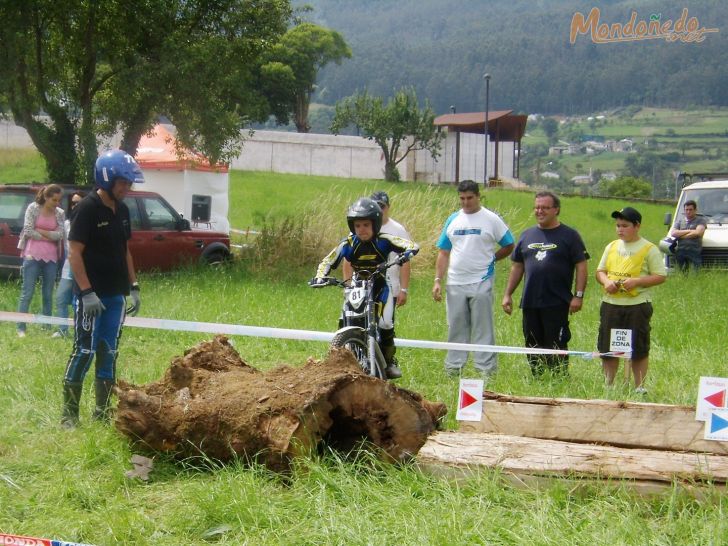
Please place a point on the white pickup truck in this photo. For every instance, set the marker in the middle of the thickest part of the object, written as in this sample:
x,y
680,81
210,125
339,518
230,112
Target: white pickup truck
x,y
710,192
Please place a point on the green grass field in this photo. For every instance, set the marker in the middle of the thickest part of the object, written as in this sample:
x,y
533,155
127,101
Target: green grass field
x,y
71,485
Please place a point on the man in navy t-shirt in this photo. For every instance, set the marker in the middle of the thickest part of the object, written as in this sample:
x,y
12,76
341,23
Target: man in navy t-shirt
x,y
103,274
548,254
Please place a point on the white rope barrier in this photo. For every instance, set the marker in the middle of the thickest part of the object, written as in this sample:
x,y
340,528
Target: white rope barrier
x,y
300,335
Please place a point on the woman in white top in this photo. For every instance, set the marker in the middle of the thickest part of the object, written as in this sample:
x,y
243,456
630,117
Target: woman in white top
x,y
64,292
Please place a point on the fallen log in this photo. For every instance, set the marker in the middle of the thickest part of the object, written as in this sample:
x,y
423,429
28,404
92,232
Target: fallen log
x,y
529,458
617,423
211,402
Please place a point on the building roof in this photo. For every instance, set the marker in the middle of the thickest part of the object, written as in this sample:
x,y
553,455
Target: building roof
x,y
158,150
511,127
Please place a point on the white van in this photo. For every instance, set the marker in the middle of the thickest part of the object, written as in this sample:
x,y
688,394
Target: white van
x,y
710,193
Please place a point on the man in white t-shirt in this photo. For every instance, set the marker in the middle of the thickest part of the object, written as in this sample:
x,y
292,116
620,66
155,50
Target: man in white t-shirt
x,y
398,277
467,251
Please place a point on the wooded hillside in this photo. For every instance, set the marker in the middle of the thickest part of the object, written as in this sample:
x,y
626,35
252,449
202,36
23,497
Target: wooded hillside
x,y
443,48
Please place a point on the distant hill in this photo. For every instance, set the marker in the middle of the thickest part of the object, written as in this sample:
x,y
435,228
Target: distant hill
x,y
443,48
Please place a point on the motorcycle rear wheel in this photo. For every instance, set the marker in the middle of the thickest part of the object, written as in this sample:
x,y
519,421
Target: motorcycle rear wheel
x,y
356,341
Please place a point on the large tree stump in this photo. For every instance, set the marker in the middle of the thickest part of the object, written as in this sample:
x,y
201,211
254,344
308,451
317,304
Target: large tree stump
x,y
211,402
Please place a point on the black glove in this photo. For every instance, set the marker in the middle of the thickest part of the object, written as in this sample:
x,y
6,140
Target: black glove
x,y
92,305
317,282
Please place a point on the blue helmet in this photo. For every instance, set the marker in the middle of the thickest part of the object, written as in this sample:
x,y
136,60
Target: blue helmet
x,y
116,164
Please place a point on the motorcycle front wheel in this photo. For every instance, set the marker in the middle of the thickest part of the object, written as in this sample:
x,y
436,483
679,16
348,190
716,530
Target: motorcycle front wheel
x,y
355,339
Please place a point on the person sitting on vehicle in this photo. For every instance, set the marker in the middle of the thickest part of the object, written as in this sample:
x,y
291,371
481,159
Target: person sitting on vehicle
x,y
689,234
365,248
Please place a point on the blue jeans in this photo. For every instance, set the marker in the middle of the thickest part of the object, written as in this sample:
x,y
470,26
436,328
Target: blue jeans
x,y
97,337
690,259
64,298
31,271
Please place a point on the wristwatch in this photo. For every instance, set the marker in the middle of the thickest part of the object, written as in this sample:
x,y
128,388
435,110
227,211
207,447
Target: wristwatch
x,y
579,294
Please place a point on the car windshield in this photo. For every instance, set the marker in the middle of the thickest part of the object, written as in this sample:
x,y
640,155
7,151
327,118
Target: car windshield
x,y
712,204
12,207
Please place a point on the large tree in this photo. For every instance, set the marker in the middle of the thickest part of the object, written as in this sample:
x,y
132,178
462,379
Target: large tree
x,y
398,127
73,71
294,65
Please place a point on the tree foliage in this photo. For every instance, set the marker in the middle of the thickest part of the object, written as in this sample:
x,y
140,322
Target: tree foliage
x,y
551,129
294,64
648,165
398,127
627,186
76,70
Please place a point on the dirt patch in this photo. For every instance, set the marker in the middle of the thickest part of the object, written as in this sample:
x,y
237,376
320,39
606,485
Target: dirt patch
x,y
211,402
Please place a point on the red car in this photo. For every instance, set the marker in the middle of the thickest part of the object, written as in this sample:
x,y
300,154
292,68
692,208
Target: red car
x,y
161,239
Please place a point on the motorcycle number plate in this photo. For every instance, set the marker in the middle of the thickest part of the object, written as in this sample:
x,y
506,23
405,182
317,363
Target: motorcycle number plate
x,y
356,296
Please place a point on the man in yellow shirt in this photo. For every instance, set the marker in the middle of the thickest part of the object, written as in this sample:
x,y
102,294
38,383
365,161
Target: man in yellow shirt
x,y
629,267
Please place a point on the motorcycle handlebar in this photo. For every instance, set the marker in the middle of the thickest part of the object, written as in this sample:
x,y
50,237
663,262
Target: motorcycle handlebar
x,y
319,282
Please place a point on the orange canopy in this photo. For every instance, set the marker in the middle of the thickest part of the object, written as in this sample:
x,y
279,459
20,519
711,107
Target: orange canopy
x,y
158,151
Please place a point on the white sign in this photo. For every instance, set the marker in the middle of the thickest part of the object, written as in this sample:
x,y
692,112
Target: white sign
x,y
470,400
712,395
716,425
621,341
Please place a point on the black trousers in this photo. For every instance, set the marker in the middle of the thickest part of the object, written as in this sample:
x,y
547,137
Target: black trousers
x,y
547,328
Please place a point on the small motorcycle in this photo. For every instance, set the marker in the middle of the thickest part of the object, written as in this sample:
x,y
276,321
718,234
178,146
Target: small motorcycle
x,y
359,325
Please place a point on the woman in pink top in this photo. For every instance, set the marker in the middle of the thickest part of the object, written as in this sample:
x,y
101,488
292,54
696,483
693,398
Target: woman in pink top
x,y
41,244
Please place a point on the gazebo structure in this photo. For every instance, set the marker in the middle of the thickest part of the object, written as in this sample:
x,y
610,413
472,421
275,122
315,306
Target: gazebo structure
x,y
505,131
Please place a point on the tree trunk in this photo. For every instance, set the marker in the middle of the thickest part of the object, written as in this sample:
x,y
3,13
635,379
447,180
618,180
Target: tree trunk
x,y
136,127
391,173
211,402
55,144
300,114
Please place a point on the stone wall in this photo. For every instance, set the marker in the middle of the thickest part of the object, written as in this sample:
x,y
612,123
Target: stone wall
x,y
343,156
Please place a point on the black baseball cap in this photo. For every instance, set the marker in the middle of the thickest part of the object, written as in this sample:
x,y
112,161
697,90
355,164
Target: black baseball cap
x,y
629,214
381,198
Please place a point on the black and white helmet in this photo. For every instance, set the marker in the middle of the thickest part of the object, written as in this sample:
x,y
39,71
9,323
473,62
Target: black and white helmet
x,y
365,209
668,245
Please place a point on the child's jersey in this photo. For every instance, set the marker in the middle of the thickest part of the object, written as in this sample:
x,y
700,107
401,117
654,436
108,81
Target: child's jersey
x,y
365,255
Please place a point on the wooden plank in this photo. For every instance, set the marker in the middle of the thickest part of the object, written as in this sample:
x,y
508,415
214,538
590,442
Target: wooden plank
x,y
628,424
538,457
522,480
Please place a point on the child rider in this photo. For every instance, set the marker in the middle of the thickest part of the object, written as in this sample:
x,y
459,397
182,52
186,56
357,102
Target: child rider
x,y
365,248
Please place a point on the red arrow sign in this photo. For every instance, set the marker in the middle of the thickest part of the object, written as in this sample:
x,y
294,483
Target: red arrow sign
x,y
717,399
466,399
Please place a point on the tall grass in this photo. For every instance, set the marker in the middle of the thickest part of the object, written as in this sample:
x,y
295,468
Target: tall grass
x,y
22,166
71,485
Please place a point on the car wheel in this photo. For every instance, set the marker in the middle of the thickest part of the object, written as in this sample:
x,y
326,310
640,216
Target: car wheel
x,y
216,258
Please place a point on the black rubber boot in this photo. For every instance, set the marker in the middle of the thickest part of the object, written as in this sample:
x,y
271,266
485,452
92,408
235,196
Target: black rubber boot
x,y
393,371
71,400
102,412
